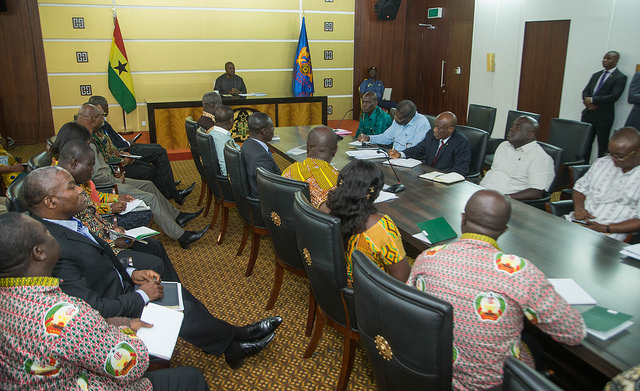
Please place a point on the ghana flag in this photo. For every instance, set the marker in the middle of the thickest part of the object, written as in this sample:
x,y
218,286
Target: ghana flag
x,y
120,82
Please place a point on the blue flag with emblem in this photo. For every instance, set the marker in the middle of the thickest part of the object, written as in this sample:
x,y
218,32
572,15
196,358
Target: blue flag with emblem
x,y
302,73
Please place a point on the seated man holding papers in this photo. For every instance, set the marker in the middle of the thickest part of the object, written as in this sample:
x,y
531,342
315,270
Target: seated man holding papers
x,y
91,271
55,341
444,149
407,130
491,293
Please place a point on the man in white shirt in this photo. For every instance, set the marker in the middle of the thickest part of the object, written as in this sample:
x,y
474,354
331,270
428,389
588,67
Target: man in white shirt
x,y
220,133
607,197
521,168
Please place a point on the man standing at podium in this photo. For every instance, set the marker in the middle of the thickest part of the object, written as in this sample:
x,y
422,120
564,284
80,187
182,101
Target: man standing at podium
x,y
229,83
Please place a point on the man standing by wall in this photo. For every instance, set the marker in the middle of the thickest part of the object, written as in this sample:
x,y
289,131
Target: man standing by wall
x,y
599,97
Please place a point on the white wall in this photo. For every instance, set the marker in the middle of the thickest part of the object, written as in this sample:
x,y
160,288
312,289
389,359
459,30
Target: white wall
x,y
596,27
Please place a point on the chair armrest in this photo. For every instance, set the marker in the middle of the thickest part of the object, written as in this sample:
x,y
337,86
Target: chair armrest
x,y
560,208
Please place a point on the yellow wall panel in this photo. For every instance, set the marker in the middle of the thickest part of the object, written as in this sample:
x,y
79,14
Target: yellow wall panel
x,y
245,4
56,22
342,82
61,56
322,5
342,54
340,106
343,26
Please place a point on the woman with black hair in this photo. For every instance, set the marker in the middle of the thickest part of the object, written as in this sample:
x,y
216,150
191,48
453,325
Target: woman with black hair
x,y
363,228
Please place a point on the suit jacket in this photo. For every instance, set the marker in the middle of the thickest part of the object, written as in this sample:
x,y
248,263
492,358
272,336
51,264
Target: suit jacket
x,y
255,156
90,271
455,155
606,97
634,98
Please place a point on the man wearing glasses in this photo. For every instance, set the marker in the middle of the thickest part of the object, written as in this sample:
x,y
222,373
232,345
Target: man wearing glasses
x,y
607,197
408,129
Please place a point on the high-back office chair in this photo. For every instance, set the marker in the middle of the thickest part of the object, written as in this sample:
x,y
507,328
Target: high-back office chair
x,y
276,205
520,377
494,142
191,127
320,244
248,207
575,173
15,201
482,117
431,119
407,334
575,138
478,139
217,183
43,159
556,155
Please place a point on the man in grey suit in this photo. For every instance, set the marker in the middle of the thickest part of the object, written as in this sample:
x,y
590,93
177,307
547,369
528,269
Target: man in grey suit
x,y
599,97
634,98
255,150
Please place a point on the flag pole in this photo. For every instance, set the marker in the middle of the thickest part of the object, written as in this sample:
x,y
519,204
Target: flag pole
x,y
124,113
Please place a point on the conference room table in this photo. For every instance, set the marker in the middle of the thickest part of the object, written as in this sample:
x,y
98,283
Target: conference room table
x,y
559,248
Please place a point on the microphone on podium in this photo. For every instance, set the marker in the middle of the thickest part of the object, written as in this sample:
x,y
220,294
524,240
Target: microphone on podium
x,y
340,123
398,187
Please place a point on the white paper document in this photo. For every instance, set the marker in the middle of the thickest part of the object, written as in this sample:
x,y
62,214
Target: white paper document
x,y
161,338
365,154
573,293
297,150
409,163
451,177
133,205
141,232
385,196
422,237
632,251
275,138
342,132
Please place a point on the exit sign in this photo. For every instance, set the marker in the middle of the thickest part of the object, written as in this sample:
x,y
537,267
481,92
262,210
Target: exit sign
x,y
433,13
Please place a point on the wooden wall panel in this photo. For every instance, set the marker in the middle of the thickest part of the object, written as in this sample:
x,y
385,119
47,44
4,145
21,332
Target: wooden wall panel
x,y
25,105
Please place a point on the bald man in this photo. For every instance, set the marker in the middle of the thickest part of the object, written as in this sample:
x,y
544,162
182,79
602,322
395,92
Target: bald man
x,y
521,168
491,293
443,148
607,197
316,170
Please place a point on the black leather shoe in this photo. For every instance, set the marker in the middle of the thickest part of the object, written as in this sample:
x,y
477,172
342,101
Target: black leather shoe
x,y
176,183
257,330
189,237
238,351
184,217
182,194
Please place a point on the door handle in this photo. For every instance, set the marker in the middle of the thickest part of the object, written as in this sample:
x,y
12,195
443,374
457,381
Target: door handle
x,y
442,74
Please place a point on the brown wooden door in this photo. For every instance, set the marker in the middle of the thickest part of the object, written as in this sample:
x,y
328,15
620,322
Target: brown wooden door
x,y
544,53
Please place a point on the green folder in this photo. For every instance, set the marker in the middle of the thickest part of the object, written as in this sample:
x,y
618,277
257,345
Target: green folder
x,y
437,229
604,323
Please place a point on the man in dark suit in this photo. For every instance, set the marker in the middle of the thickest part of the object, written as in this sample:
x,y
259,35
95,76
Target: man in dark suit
x,y
599,97
255,150
633,119
90,270
443,148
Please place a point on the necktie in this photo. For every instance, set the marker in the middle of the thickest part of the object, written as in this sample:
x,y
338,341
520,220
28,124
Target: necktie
x,y
435,159
601,82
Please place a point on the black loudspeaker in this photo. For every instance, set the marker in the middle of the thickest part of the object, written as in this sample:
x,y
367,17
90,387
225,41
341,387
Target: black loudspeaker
x,y
3,5
387,9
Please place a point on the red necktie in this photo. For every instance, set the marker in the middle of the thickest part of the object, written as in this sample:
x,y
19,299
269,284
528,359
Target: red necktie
x,y
435,159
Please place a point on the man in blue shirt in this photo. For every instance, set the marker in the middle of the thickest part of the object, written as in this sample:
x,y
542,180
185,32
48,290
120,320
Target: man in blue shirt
x,y
376,86
408,129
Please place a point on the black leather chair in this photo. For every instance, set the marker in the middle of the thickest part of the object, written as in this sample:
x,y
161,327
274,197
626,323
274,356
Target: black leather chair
x,y
248,207
575,138
431,119
43,159
407,334
482,117
493,143
191,127
478,139
556,155
217,183
276,205
15,202
575,173
520,377
320,245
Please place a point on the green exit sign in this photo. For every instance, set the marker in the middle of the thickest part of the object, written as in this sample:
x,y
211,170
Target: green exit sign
x,y
433,13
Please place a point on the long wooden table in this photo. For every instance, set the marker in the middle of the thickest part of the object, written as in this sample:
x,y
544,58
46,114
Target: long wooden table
x,y
559,248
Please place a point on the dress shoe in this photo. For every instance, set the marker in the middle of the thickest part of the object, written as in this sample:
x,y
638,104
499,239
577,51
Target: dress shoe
x,y
189,237
238,351
176,183
182,194
258,329
184,217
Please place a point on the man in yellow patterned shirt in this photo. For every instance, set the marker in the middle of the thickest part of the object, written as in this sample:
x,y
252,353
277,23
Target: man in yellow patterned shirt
x,y
316,170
